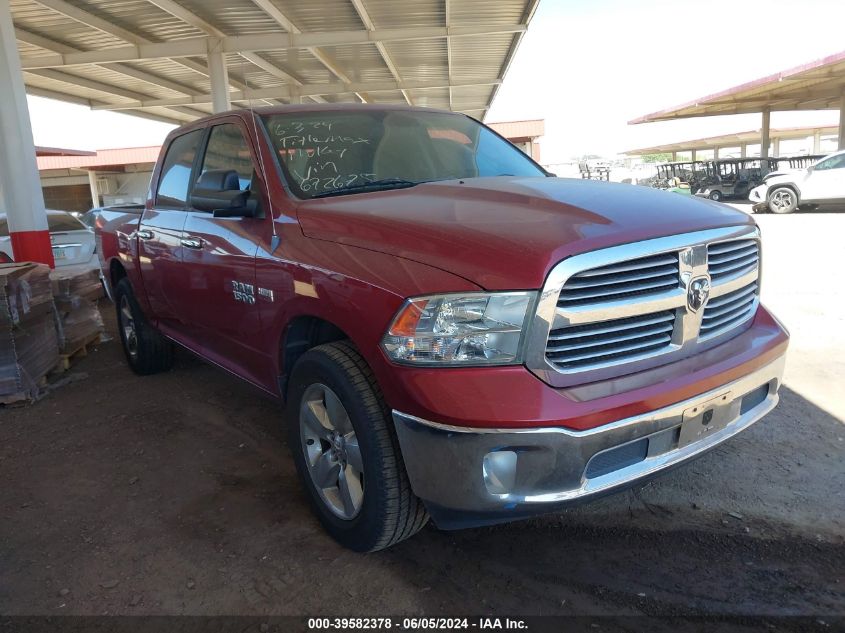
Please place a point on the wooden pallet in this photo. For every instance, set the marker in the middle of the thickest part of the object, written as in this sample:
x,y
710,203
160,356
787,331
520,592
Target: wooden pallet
x,y
77,350
21,399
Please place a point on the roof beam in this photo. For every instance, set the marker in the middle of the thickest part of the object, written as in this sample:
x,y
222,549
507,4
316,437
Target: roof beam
x,y
364,15
35,91
288,25
188,17
306,90
272,69
46,43
96,22
198,46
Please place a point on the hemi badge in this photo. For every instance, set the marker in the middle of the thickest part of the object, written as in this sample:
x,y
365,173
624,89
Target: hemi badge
x,y
266,293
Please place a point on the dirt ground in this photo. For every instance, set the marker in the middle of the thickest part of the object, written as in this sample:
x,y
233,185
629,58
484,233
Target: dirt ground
x,y
176,494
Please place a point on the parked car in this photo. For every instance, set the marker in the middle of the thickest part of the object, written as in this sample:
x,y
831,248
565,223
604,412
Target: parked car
x,y
822,183
73,242
454,333
89,218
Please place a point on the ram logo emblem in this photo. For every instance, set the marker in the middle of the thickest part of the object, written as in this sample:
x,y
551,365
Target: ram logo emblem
x,y
697,293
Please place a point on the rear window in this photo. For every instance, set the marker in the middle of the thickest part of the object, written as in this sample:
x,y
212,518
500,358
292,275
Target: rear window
x,y
60,222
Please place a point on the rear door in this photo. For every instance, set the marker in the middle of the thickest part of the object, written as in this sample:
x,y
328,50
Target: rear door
x,y
218,256
160,232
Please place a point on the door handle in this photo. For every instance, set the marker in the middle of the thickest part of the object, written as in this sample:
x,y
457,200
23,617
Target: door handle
x,y
145,235
191,242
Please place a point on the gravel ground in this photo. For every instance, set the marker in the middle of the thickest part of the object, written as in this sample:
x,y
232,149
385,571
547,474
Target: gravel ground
x,y
176,494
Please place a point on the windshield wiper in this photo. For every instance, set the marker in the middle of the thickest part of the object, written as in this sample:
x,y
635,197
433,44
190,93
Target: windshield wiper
x,y
375,185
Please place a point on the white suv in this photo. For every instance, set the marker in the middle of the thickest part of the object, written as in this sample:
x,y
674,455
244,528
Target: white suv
x,y
822,183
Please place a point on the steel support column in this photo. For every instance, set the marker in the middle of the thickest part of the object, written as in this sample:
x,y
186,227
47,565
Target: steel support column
x,y
764,134
743,150
841,144
92,184
20,184
219,75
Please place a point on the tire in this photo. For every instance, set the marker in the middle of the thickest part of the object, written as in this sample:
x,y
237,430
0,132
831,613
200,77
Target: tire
x,y
782,200
332,383
716,196
147,351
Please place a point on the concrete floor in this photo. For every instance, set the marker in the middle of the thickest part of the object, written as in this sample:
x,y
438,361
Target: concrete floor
x,y
175,494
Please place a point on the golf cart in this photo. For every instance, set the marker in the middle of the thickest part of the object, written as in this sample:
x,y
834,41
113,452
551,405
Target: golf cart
x,y
679,176
727,178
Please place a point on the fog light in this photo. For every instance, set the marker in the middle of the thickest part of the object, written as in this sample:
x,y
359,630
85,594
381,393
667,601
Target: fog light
x,y
500,471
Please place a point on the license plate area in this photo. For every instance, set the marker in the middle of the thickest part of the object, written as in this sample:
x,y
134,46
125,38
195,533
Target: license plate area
x,y
706,419
59,253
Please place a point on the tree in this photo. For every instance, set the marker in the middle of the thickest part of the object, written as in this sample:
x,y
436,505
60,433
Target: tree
x,y
663,157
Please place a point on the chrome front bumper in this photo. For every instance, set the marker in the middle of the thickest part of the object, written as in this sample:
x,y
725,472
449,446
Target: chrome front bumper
x,y
469,477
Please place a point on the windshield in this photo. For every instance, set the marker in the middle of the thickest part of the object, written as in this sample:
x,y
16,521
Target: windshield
x,y
324,153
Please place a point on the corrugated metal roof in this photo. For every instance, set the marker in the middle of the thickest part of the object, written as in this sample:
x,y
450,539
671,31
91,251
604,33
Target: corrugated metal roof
x,y
817,85
102,158
749,137
148,57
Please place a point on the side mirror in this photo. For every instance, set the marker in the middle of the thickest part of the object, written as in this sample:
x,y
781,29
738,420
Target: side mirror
x,y
219,191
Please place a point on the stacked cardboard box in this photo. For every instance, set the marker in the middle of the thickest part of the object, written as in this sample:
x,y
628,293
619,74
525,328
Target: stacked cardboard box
x,y
75,296
28,341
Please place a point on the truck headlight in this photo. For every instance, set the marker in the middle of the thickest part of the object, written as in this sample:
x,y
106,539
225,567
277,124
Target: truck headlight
x,y
460,329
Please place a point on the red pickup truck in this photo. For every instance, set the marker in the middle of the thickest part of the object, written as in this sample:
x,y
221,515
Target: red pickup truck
x,y
455,332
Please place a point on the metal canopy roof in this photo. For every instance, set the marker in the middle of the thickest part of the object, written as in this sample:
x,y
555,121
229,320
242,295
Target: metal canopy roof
x,y
148,57
749,137
818,85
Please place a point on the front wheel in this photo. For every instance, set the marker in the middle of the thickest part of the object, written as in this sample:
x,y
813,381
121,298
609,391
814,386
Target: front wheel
x,y
783,200
716,196
346,452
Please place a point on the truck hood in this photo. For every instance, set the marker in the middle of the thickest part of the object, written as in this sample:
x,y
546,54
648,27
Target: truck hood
x,y
507,232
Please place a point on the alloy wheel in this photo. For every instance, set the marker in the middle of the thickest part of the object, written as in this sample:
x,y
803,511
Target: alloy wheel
x,y
127,324
782,199
331,451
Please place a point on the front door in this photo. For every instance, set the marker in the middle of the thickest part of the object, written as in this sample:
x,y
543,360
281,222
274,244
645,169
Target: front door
x,y
218,255
160,231
826,181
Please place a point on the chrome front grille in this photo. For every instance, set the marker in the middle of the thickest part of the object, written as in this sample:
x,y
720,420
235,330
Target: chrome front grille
x,y
727,259
646,275
729,310
627,308
606,341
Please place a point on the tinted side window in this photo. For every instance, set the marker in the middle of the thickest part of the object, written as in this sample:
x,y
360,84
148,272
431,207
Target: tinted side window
x,y
176,170
227,149
835,162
